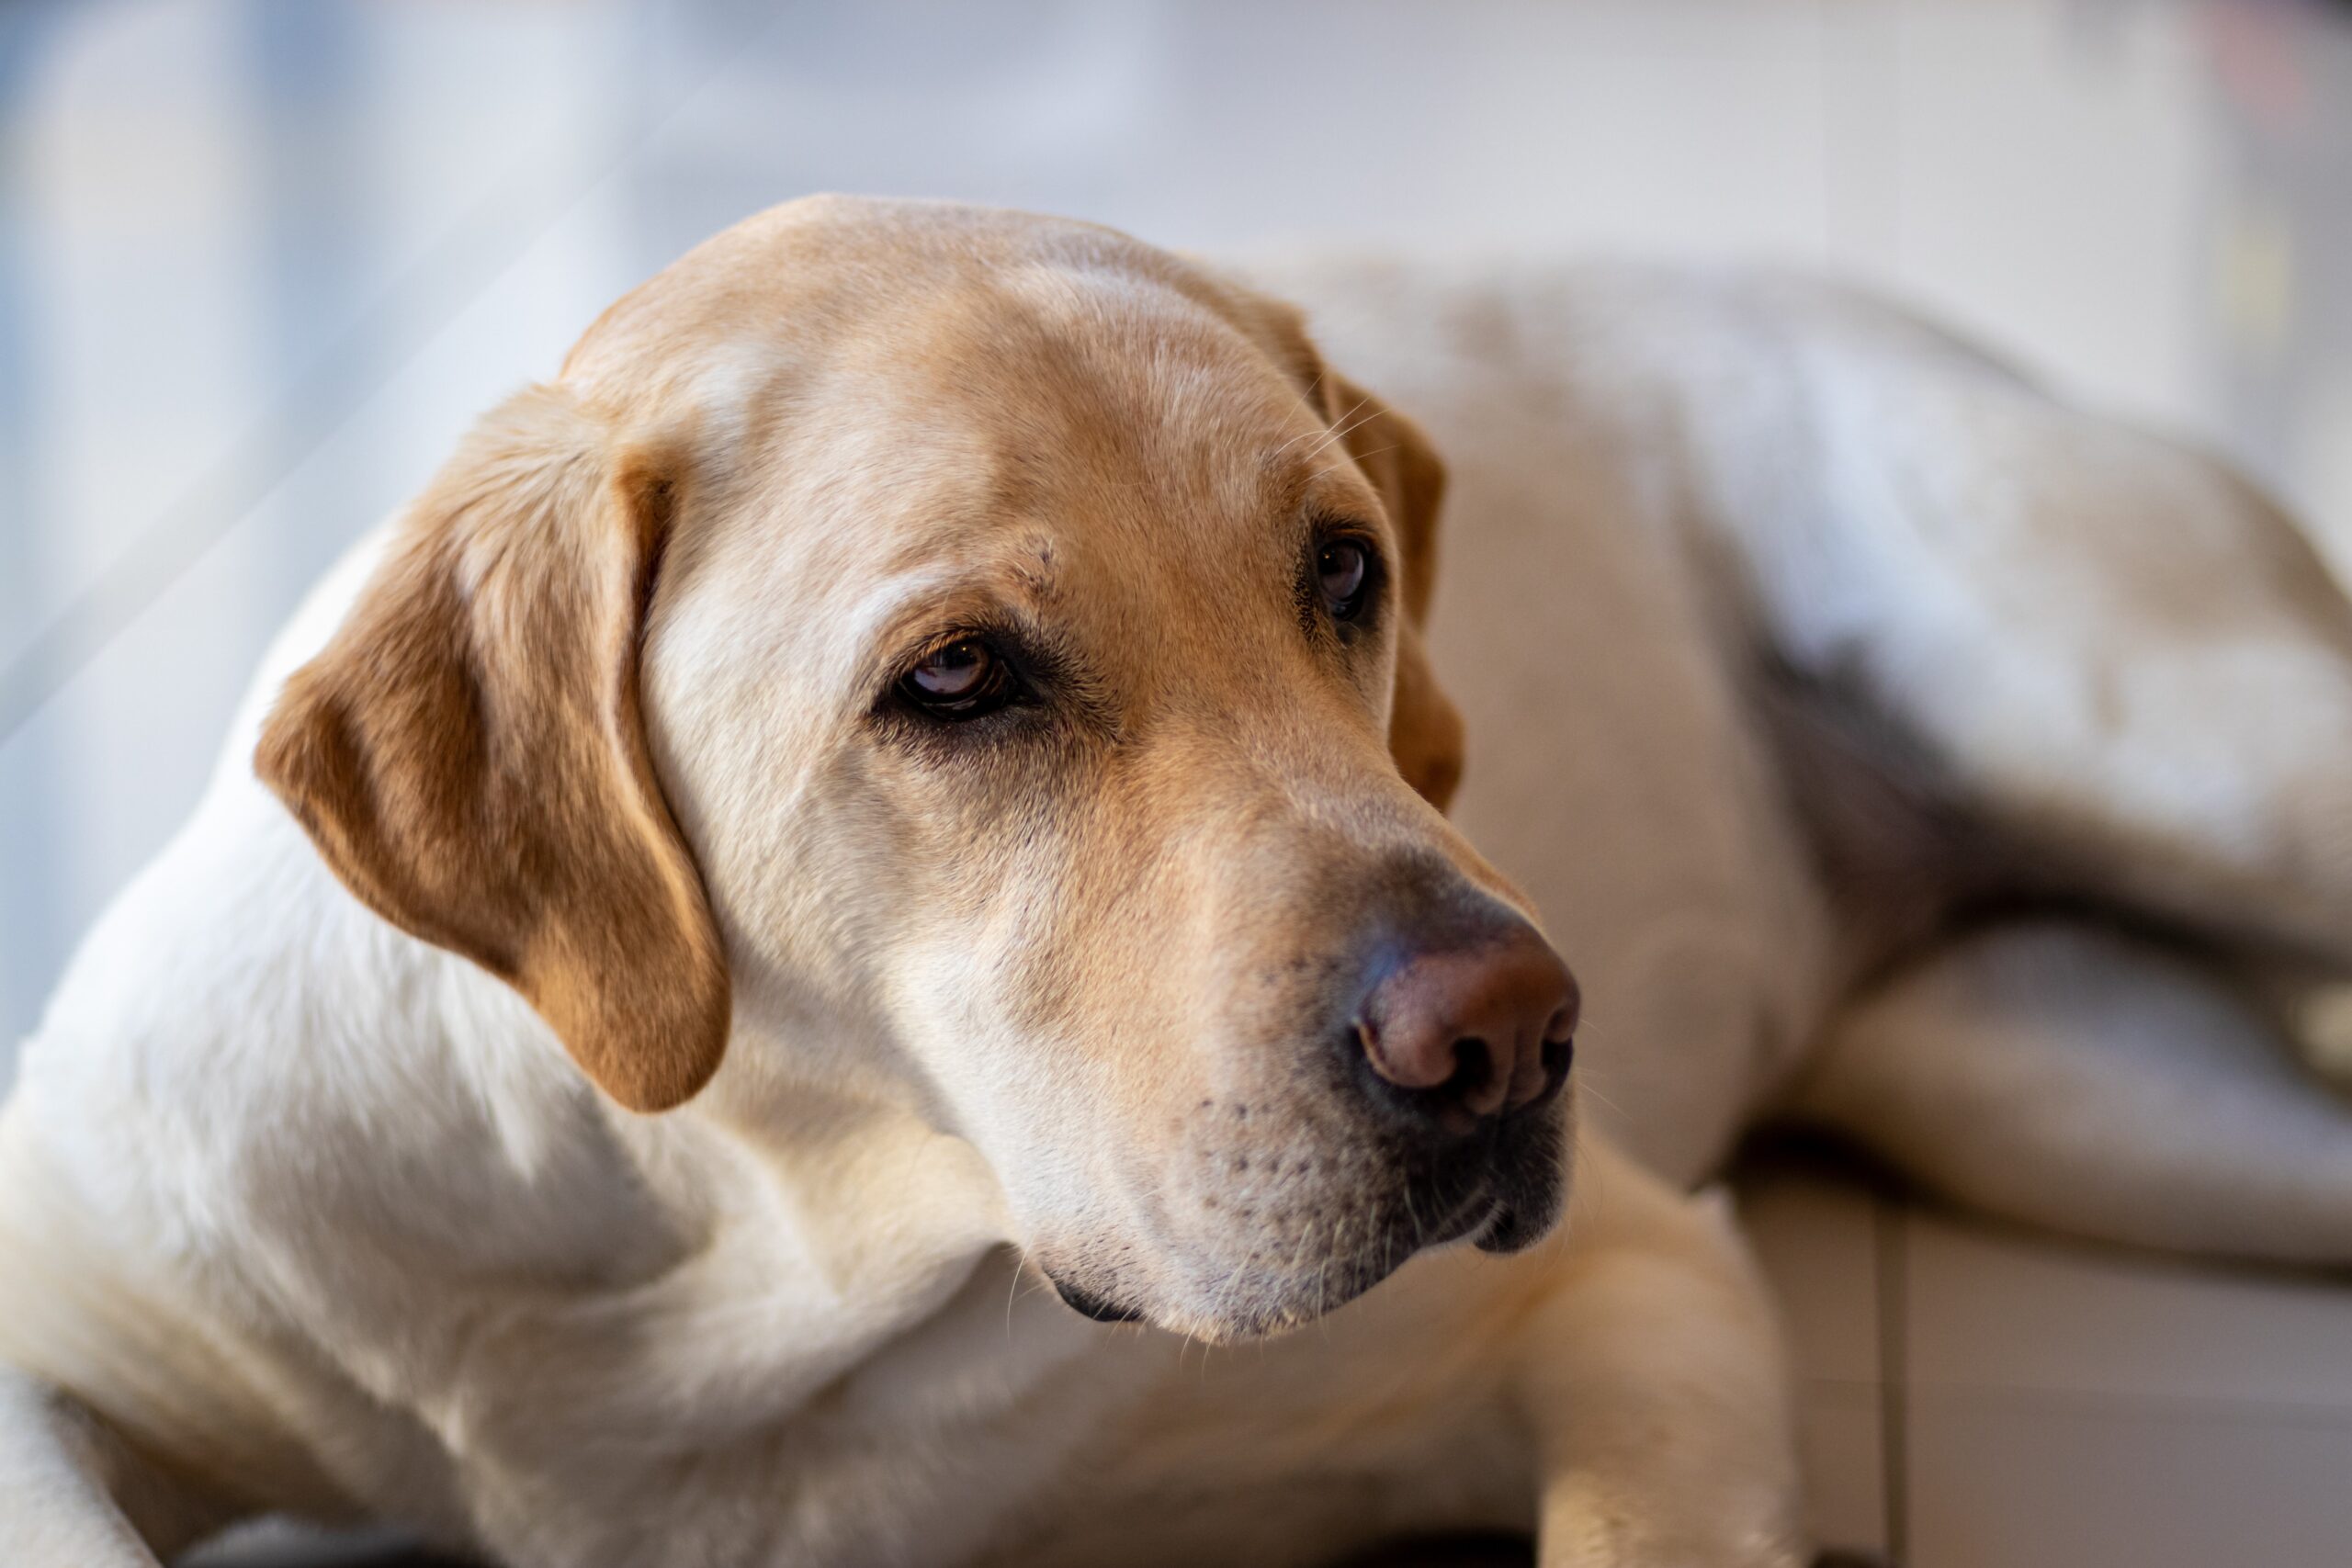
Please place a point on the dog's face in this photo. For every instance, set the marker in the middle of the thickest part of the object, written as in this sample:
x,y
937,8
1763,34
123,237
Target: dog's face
x,y
996,645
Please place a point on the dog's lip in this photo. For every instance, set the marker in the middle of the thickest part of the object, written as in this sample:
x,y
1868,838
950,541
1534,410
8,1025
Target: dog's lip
x,y
1486,1204
1086,1303
1471,1218
1495,1224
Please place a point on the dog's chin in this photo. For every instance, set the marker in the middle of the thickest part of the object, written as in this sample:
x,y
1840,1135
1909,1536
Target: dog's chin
x,y
1510,1204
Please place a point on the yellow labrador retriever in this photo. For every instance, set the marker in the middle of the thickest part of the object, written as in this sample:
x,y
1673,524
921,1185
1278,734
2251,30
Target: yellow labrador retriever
x,y
901,796
896,798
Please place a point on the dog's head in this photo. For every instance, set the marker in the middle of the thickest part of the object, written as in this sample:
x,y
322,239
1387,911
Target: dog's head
x,y
972,660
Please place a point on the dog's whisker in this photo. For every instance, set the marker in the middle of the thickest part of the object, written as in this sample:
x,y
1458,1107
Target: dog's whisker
x,y
1337,430
1320,430
1013,1288
1587,1089
1345,428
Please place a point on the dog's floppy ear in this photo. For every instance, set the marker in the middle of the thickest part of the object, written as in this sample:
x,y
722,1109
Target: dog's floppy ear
x,y
1424,728
468,756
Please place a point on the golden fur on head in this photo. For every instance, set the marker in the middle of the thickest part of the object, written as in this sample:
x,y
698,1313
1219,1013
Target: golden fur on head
x,y
469,752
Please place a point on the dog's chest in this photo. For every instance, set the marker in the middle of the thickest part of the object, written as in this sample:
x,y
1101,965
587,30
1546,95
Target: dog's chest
x,y
935,1448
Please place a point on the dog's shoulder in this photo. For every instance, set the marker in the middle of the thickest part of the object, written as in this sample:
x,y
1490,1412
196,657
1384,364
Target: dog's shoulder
x,y
255,1115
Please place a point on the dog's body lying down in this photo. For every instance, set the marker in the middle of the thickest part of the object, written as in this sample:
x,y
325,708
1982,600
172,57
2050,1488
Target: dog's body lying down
x,y
931,702
1891,745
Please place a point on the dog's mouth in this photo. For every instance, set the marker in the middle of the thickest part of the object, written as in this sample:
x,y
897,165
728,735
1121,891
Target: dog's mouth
x,y
1514,1201
1500,1199
1086,1303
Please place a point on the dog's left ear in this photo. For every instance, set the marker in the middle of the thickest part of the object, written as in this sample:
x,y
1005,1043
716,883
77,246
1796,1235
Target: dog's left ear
x,y
1424,728
467,754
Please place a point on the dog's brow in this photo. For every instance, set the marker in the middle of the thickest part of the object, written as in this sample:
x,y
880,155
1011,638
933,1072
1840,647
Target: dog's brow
x,y
1303,489
1284,479
907,609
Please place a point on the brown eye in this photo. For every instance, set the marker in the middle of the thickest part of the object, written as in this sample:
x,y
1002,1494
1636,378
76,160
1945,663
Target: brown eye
x,y
1341,566
962,680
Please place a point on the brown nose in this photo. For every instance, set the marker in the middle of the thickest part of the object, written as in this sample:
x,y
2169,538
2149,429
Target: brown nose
x,y
1472,1033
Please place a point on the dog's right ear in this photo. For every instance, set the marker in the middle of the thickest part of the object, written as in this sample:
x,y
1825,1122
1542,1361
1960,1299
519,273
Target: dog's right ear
x,y
1424,727
468,756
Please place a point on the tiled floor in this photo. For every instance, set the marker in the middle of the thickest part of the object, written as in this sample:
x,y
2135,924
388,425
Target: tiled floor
x,y
1971,1396
1821,1233
260,262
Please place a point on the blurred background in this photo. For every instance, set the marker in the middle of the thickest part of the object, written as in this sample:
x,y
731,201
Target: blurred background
x,y
261,262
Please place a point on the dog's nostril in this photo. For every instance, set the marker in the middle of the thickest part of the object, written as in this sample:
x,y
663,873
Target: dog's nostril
x,y
1555,1058
1559,1055
1474,1069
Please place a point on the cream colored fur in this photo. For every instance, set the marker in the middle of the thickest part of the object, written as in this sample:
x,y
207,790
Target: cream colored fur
x,y
1813,661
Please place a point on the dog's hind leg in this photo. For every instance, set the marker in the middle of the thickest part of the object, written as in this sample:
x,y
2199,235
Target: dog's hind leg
x,y
2091,1082
2109,649
2124,666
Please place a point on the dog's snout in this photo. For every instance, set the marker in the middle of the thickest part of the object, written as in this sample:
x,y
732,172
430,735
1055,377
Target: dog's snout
x,y
1474,1031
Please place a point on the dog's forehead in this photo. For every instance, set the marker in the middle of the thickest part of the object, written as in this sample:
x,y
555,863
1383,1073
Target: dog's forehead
x,y
1101,395
1042,395
945,415
813,279
932,344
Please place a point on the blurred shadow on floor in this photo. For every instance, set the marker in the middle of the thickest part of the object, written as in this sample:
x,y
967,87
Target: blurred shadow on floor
x,y
277,1545
1450,1551
274,1547
1514,1552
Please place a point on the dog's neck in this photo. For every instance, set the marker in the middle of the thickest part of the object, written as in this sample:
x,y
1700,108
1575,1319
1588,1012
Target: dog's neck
x,y
388,1160
413,1254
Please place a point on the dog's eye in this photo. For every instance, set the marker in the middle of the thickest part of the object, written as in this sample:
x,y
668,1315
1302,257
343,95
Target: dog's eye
x,y
1342,568
961,680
